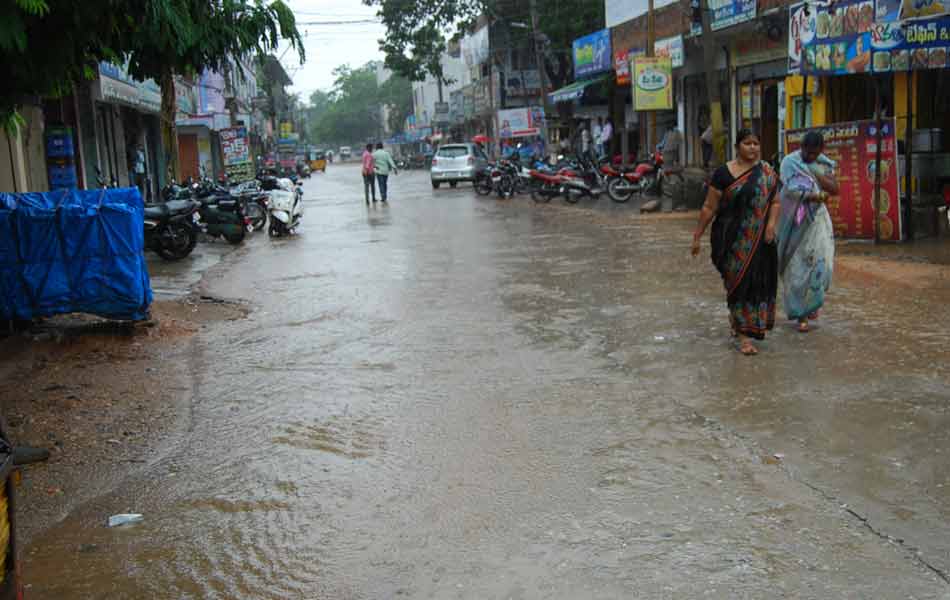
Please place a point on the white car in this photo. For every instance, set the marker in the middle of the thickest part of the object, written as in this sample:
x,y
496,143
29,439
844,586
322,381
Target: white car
x,y
457,162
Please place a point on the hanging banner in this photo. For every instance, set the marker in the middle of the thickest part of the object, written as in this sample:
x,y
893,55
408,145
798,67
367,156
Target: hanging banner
x,y
671,47
652,83
853,146
726,13
911,45
592,54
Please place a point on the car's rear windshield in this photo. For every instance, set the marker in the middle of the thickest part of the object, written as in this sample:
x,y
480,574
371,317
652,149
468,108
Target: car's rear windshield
x,y
453,151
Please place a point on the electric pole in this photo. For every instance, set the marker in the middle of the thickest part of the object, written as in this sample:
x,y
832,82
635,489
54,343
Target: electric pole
x,y
651,42
542,76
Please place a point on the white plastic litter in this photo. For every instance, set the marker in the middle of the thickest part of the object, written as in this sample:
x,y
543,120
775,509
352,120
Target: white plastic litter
x,y
125,518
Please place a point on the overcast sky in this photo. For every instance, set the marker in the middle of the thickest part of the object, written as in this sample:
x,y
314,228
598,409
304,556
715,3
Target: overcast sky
x,y
329,46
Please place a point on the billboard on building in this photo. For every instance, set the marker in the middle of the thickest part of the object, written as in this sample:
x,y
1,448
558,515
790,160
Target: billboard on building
x,y
117,85
671,47
592,54
520,122
726,13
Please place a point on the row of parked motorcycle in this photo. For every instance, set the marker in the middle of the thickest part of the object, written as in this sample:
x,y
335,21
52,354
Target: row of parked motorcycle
x,y
575,178
174,224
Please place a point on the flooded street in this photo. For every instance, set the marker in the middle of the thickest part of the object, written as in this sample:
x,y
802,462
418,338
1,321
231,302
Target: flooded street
x,y
458,397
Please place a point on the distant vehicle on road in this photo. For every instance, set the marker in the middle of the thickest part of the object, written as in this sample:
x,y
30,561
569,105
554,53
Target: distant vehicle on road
x,y
457,162
345,152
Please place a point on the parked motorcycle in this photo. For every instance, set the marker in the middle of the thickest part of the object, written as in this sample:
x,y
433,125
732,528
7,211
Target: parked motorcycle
x,y
286,208
254,199
645,178
171,228
221,214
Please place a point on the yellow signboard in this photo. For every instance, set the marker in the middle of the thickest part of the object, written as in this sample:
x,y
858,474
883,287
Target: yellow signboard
x,y
652,83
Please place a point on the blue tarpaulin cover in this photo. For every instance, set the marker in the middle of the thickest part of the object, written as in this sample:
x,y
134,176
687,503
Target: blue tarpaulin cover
x,y
73,251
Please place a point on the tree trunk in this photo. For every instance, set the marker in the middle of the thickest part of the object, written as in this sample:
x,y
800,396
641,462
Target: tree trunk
x,y
712,88
169,130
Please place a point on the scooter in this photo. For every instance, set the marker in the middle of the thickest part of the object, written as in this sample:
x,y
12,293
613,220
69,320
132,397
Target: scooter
x,y
255,199
286,208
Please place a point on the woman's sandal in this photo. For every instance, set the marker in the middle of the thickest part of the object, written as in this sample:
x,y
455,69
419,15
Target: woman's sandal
x,y
803,327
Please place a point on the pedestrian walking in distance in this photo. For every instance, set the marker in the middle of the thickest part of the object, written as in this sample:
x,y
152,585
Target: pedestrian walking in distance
x,y
806,249
741,199
369,174
383,165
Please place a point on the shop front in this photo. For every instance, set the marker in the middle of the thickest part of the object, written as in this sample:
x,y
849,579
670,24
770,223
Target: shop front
x,y
863,63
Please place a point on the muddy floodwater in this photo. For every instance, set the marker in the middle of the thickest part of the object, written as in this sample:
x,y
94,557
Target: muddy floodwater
x,y
454,396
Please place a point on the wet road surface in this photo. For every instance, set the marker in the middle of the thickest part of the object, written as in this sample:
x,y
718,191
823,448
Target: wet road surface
x,y
457,397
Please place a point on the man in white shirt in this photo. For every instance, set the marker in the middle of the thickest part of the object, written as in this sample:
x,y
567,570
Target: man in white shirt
x,y
597,132
606,135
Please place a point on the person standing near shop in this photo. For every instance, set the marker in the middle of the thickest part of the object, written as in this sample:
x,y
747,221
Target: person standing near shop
x,y
606,135
383,165
369,174
597,132
585,138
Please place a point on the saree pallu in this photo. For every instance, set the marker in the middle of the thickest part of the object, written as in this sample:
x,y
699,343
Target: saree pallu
x,y
748,265
806,247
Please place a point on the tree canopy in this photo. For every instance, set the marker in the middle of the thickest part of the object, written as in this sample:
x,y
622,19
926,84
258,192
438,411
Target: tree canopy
x,y
50,45
349,112
415,41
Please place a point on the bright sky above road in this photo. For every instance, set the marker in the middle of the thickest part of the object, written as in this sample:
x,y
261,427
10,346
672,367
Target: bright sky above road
x,y
329,46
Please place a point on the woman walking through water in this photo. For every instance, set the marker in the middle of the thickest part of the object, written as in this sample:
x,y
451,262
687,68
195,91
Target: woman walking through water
x,y
806,249
741,198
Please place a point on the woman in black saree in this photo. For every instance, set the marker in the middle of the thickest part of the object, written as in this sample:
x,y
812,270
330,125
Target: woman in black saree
x,y
742,200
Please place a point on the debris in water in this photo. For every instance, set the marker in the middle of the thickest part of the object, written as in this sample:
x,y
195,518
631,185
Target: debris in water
x,y
658,338
125,518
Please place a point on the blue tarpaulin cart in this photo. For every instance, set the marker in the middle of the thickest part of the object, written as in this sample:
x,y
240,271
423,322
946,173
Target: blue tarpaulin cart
x,y
73,251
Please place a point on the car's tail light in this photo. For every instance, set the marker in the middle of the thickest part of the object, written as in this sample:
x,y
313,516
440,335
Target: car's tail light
x,y
435,161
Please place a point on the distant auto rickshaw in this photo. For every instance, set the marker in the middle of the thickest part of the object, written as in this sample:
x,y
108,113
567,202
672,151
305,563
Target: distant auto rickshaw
x,y
318,161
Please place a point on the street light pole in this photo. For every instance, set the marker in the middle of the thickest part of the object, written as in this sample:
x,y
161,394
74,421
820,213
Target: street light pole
x,y
539,59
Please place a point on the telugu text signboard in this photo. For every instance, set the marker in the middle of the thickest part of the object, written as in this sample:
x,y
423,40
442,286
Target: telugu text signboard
x,y
726,13
911,45
652,83
853,146
592,54
236,154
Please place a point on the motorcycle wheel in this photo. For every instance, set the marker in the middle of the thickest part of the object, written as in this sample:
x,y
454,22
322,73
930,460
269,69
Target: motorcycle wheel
x,y
176,242
540,195
482,186
257,215
649,186
506,187
235,238
275,229
616,194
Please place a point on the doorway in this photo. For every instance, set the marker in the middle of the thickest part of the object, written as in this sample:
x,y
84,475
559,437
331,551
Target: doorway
x,y
769,127
188,156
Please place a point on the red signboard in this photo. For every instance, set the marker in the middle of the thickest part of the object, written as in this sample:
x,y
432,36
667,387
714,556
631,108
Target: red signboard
x,y
853,146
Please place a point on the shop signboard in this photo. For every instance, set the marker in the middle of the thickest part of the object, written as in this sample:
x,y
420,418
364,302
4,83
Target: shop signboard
x,y
671,47
853,146
887,11
592,54
801,30
116,84
652,83
911,45
841,43
622,61
726,13
236,154
916,9
520,122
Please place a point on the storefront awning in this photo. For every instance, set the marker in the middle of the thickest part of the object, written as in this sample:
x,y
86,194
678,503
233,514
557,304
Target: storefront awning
x,y
574,90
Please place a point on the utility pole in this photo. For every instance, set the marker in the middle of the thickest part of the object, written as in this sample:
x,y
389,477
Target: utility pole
x,y
651,41
712,86
542,76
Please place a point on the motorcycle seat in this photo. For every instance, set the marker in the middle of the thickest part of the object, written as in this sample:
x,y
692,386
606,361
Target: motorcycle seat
x,y
155,211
